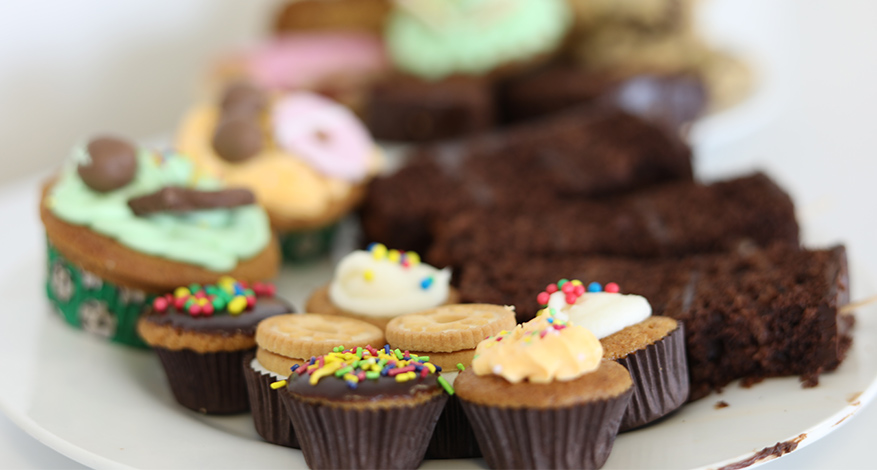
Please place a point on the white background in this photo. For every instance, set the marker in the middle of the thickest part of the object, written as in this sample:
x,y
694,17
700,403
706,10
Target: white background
x,y
70,68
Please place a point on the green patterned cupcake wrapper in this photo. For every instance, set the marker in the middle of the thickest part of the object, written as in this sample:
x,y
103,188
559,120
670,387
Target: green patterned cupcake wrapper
x,y
88,302
307,245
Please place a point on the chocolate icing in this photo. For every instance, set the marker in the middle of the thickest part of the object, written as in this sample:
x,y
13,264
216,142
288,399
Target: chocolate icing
x,y
332,388
176,199
237,138
223,322
113,164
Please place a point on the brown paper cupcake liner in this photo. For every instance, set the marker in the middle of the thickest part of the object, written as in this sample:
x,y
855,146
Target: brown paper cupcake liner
x,y
453,437
660,379
573,437
211,383
360,438
269,413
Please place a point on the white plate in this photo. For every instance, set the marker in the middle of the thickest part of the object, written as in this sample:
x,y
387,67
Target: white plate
x,y
109,406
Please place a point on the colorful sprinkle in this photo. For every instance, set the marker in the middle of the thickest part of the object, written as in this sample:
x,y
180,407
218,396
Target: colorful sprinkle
x,y
227,295
461,367
368,275
445,385
278,384
612,288
426,283
355,366
595,287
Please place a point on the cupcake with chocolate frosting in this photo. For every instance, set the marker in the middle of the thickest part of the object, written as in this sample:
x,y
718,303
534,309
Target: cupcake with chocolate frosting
x,y
650,347
285,342
542,396
126,223
306,159
201,334
365,408
378,285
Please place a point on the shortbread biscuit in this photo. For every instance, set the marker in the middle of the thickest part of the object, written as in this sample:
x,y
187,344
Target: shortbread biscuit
x,y
449,328
306,335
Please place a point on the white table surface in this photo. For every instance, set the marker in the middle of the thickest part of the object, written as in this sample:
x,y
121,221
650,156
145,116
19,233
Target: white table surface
x,y
821,146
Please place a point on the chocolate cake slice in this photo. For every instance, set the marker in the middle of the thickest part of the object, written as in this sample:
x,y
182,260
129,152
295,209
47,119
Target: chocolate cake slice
x,y
410,110
582,153
673,219
748,314
671,99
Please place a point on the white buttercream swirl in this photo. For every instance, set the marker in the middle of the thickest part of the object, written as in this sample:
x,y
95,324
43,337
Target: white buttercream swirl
x,y
375,286
603,313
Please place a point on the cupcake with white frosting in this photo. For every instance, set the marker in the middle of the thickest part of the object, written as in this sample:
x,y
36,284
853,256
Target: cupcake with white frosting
x,y
378,285
651,347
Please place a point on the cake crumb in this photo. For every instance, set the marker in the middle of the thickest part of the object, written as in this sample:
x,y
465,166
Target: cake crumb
x,y
721,404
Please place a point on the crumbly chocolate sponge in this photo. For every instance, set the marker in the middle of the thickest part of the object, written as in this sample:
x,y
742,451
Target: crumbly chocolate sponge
x,y
748,314
670,220
581,153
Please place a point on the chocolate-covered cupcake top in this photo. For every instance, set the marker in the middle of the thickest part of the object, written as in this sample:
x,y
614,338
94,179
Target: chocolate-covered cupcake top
x,y
228,307
365,374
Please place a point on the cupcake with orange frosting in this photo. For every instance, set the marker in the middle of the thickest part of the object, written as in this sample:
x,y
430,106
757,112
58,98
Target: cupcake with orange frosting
x,y
542,396
306,159
651,347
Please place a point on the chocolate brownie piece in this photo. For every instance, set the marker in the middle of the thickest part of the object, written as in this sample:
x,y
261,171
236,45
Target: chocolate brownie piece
x,y
576,154
670,99
748,314
411,110
673,219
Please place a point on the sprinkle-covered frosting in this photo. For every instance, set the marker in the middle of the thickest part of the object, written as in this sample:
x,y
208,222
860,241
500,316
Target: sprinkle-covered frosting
x,y
216,239
543,350
386,283
434,39
604,311
367,371
226,296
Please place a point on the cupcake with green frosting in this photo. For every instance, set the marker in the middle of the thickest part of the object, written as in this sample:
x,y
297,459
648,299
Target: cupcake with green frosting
x,y
435,39
124,224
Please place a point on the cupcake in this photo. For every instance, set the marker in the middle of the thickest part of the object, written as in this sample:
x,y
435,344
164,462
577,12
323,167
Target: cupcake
x,y
336,15
651,348
542,396
449,335
365,408
201,334
379,284
125,224
435,39
306,158
289,341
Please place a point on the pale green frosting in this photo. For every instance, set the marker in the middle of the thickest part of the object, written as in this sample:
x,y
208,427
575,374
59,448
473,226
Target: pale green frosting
x,y
437,38
213,239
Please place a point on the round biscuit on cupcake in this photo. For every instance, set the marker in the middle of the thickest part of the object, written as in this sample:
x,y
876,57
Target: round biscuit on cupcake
x,y
287,342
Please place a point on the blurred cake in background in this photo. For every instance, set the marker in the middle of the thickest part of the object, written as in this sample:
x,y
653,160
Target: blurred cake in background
x,y
635,37
306,158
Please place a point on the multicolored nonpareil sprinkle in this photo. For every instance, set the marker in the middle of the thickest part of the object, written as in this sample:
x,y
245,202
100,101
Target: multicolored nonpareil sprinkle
x,y
406,259
574,289
360,364
227,295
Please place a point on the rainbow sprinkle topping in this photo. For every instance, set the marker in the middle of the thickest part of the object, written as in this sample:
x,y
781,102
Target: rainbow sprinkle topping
x,y
227,295
368,363
572,290
406,259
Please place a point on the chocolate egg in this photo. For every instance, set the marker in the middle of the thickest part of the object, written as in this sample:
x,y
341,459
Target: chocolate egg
x,y
237,139
242,99
113,164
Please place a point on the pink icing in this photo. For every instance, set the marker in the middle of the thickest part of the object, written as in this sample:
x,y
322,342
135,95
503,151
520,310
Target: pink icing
x,y
302,60
324,134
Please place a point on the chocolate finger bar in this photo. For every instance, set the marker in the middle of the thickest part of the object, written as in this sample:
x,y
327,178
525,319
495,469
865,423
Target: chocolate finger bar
x,y
671,220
